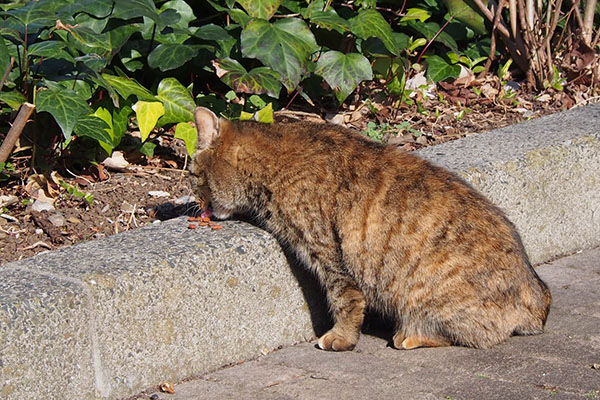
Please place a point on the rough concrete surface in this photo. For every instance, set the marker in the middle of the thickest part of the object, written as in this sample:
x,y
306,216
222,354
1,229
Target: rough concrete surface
x,y
543,173
558,364
110,317
113,316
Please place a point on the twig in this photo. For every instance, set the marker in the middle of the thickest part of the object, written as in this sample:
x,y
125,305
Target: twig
x,y
5,76
185,161
37,244
15,131
131,217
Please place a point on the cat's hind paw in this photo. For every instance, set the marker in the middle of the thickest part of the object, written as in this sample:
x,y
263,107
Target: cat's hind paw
x,y
333,341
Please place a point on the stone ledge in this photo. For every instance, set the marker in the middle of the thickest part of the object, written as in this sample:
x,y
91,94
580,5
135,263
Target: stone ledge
x,y
108,318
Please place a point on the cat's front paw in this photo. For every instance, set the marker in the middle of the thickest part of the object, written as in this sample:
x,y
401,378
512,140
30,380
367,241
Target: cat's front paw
x,y
333,341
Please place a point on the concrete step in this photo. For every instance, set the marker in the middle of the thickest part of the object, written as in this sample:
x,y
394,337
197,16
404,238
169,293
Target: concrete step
x,y
561,363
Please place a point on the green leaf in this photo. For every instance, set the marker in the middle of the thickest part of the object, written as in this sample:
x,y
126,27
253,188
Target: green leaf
x,y
430,29
257,81
4,57
147,149
370,23
65,105
188,134
136,8
264,9
116,124
439,69
93,61
467,13
264,116
416,13
186,13
50,49
343,72
177,101
14,99
147,114
94,127
127,87
90,41
169,56
212,32
330,20
285,46
97,8
35,12
239,16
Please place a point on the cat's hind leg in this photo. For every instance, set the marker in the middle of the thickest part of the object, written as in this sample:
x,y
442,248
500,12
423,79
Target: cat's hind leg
x,y
413,342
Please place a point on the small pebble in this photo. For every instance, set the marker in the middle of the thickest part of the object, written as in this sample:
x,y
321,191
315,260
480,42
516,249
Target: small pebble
x,y
158,193
184,200
57,219
39,231
41,206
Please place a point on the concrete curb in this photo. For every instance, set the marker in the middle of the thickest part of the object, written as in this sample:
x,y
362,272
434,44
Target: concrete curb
x,y
111,317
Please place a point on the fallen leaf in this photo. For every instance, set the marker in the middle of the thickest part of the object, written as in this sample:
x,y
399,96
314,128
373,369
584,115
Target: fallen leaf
x,y
116,161
166,387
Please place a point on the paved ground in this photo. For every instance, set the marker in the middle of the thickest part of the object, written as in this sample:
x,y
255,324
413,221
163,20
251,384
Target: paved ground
x,y
562,363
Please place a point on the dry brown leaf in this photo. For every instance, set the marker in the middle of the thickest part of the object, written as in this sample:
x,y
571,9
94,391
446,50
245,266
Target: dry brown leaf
x,y
166,387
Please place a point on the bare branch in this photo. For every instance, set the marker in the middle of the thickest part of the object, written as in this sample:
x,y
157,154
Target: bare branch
x,y
15,131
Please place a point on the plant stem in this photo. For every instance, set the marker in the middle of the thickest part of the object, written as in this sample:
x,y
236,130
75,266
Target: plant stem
x,y
15,131
5,76
434,37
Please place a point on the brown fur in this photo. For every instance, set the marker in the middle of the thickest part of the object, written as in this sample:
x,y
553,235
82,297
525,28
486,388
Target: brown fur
x,y
381,228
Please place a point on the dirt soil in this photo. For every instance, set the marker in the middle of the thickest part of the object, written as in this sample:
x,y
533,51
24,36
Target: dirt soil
x,y
157,188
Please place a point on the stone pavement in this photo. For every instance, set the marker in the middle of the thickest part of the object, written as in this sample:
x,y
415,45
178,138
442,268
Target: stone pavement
x,y
562,363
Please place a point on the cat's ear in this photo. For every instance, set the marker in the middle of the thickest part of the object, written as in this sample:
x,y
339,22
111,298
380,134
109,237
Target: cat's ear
x,y
207,125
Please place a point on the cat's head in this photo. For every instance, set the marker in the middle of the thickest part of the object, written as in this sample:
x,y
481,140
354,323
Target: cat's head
x,y
214,164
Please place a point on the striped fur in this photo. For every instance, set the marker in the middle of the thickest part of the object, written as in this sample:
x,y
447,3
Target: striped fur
x,y
381,228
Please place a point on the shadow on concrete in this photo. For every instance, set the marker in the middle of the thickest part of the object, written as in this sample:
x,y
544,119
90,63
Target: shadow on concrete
x,y
312,290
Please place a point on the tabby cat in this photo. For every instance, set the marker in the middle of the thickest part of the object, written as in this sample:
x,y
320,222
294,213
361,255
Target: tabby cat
x,y
381,228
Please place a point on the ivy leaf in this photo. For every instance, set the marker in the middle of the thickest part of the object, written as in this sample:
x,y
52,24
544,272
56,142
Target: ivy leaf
x,y
147,114
343,72
116,125
14,99
177,101
212,32
94,127
98,8
65,105
127,87
136,8
188,134
90,41
169,56
35,12
330,20
265,115
4,57
50,49
439,69
264,9
416,13
430,29
370,23
285,46
257,81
